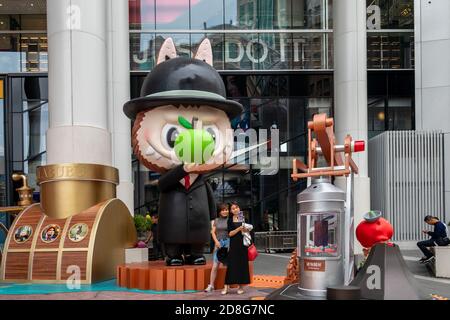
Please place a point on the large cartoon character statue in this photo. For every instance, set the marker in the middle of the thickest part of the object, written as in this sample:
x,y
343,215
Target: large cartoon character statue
x,y
183,108
373,229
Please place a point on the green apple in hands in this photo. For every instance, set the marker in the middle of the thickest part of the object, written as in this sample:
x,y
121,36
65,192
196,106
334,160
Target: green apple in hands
x,y
193,145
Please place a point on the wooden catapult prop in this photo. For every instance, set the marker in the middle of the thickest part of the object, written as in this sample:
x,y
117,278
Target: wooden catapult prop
x,y
322,142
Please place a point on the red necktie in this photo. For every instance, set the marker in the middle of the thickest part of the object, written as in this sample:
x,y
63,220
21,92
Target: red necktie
x,y
187,182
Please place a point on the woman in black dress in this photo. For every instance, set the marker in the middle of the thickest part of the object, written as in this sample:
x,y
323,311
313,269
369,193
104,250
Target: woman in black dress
x,y
237,259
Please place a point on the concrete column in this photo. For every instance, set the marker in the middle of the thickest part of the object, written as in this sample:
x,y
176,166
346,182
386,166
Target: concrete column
x,y
350,91
432,74
78,128
118,86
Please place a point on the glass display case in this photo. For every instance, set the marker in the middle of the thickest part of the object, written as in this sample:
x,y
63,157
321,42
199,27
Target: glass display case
x,y
321,232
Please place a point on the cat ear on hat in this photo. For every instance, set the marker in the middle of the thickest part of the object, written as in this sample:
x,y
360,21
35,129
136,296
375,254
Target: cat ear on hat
x,y
204,52
167,51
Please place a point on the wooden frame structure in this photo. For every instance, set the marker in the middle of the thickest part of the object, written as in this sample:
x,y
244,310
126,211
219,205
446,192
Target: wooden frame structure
x,y
322,142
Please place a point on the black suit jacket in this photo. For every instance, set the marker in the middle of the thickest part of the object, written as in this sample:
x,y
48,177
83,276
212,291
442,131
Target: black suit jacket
x,y
184,215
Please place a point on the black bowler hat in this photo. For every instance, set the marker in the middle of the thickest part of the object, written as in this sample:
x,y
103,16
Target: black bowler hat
x,y
182,81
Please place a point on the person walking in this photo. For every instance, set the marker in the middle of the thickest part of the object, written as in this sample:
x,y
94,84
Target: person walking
x,y
219,233
439,237
237,259
157,252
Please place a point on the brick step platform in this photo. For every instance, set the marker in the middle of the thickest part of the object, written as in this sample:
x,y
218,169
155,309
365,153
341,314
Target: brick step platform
x,y
155,275
269,281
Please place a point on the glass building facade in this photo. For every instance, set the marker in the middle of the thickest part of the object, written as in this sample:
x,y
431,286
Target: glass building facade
x,y
275,57
263,35
23,96
23,36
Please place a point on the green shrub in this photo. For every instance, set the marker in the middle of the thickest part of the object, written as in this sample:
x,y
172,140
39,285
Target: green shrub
x,y
141,223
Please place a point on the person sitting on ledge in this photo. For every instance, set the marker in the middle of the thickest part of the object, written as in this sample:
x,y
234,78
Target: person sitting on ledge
x,y
438,238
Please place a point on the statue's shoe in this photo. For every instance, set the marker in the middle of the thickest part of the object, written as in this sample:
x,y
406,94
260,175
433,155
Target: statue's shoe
x,y
171,262
196,260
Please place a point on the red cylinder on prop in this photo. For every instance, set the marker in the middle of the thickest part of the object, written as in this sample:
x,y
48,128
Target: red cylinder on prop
x,y
359,146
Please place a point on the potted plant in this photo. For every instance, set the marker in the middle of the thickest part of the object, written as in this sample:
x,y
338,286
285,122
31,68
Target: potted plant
x,y
143,225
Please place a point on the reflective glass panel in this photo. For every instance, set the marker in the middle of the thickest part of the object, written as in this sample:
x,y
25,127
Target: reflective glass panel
x,y
10,22
34,56
400,113
33,22
314,13
390,50
30,169
35,125
241,14
142,14
319,235
390,101
330,41
376,115
23,53
330,14
207,14
217,43
142,51
278,51
10,56
173,14
390,14
308,51
182,43
274,14
241,51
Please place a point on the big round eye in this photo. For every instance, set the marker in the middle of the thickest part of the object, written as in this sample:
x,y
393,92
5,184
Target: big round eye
x,y
169,135
214,132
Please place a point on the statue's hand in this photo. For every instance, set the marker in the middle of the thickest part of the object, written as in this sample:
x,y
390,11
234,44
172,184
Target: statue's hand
x,y
189,167
200,168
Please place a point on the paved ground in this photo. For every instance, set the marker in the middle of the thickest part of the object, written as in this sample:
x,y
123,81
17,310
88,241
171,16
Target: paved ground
x,y
266,264
429,283
251,293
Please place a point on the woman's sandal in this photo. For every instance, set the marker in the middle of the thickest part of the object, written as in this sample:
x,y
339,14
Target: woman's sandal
x,y
224,291
240,291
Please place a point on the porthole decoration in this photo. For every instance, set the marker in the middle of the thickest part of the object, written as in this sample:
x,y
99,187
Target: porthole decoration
x,y
23,234
50,233
78,232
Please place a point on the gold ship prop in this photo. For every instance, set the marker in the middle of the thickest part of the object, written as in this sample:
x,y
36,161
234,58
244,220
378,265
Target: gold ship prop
x,y
79,231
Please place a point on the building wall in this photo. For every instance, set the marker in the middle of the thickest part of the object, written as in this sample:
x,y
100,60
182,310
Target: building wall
x,y
432,40
407,180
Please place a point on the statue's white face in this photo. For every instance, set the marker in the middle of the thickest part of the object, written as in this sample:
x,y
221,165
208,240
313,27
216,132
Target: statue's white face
x,y
154,139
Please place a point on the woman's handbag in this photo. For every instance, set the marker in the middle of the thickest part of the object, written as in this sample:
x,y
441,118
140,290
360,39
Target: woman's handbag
x,y
247,238
252,252
222,254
